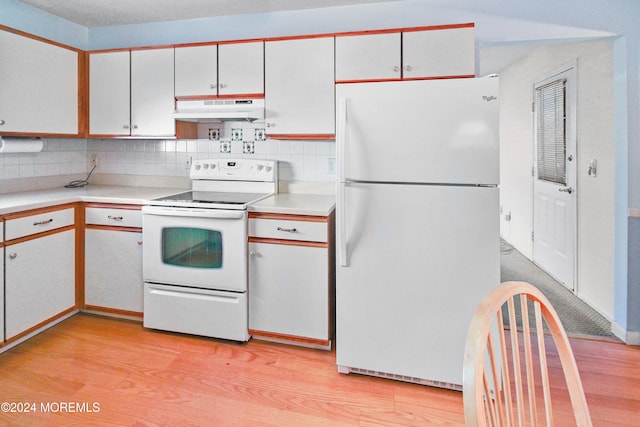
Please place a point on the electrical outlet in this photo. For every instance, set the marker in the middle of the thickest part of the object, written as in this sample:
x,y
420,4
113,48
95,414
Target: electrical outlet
x,y
94,159
187,162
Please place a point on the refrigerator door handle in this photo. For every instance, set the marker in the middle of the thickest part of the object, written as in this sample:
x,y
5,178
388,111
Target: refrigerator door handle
x,y
341,226
341,134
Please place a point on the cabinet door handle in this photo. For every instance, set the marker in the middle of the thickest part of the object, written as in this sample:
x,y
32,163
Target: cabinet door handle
x,y
396,69
223,85
1,122
13,255
287,230
115,218
212,86
48,221
408,68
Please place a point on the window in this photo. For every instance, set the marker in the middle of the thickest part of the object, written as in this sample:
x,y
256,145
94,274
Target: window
x,y
192,247
551,131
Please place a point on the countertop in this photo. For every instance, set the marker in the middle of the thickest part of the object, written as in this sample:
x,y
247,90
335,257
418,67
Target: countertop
x,y
15,202
284,203
296,204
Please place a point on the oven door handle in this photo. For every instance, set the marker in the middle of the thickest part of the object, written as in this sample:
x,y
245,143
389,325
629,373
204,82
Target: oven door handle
x,y
193,213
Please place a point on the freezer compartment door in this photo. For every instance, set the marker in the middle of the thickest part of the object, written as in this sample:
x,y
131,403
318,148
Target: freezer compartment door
x,y
418,261
428,131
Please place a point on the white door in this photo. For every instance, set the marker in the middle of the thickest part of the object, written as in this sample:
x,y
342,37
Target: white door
x,y
241,67
554,187
196,70
427,131
414,261
368,57
109,93
152,93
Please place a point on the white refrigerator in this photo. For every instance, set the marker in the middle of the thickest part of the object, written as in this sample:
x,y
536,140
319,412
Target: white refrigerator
x,y
417,231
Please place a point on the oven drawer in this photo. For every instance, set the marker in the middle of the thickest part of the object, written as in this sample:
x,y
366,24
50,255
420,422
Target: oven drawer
x,y
196,311
309,231
38,223
113,217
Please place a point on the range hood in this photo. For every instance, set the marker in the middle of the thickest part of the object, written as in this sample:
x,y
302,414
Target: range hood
x,y
219,110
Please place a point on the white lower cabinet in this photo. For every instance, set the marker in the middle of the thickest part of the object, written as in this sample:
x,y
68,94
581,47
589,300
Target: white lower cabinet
x,y
288,290
39,281
113,271
291,280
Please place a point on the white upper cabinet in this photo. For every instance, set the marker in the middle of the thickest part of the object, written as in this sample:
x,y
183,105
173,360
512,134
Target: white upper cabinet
x,y
299,88
420,54
438,53
131,93
38,86
371,56
241,68
152,93
109,97
196,70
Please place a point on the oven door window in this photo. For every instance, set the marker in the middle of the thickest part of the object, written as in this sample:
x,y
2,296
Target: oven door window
x,y
192,247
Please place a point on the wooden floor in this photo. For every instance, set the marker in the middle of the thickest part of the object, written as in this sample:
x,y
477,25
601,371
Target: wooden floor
x,y
117,373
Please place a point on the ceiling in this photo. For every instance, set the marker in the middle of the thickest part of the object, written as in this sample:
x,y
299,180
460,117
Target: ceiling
x,y
101,13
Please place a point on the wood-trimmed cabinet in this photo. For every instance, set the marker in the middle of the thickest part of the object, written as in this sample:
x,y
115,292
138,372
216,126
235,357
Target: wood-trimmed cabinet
x,y
113,281
131,93
225,70
39,86
292,278
437,52
40,268
299,88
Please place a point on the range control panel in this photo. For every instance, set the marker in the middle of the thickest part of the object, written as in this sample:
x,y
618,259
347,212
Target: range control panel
x,y
235,170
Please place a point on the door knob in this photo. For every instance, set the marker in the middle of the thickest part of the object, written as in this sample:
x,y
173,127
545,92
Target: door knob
x,y
566,190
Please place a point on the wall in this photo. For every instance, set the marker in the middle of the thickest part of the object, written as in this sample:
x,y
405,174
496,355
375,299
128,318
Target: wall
x,y
595,133
136,161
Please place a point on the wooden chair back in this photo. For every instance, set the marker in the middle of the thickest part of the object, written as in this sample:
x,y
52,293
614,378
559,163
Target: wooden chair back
x,y
506,378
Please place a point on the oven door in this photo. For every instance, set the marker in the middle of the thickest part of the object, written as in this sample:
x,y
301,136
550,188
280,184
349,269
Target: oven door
x,y
202,248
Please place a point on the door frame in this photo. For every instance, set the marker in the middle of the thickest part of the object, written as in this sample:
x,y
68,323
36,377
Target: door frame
x,y
570,72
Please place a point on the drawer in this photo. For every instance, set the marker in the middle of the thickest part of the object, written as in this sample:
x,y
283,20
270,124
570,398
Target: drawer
x,y
38,223
308,231
114,217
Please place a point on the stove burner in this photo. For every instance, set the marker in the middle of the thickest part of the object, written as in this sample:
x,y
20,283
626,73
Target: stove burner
x,y
212,197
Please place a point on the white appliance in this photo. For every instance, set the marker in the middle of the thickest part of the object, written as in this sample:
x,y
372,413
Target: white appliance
x,y
219,110
195,249
417,224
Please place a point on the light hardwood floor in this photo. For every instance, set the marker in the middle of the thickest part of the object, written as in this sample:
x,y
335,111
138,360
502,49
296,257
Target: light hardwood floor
x,y
139,377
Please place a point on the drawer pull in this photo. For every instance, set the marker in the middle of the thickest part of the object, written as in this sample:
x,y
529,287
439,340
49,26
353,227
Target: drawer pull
x,y
49,221
287,230
115,218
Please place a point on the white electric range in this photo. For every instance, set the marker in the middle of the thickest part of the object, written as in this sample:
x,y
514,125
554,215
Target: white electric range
x,y
195,249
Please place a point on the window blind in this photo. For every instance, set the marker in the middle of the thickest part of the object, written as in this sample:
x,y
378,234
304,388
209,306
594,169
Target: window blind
x,y
551,131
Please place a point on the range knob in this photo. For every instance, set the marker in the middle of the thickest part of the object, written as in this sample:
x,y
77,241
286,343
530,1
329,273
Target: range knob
x,y
197,166
205,166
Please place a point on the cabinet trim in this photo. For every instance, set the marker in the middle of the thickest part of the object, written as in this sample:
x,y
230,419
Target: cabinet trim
x,y
288,242
109,310
8,243
112,206
303,136
40,325
288,217
113,228
36,211
292,338
226,96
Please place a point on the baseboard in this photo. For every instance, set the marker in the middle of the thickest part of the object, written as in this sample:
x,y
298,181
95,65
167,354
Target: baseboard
x,y
628,337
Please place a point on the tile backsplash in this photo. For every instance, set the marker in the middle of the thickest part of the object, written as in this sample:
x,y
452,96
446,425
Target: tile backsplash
x,y
298,160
